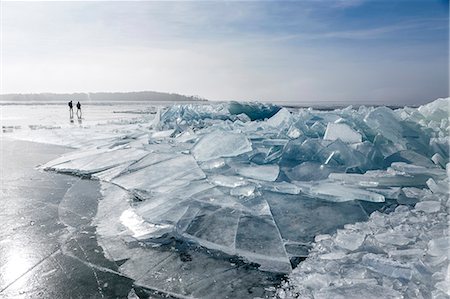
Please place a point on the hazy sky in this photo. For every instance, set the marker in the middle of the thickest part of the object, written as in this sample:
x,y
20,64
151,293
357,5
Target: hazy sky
x,y
354,50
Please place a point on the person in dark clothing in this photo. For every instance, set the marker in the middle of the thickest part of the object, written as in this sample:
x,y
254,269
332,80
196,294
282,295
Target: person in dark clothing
x,y
78,109
70,109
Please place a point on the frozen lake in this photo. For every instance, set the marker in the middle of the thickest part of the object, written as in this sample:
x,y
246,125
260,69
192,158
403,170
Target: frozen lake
x,y
227,199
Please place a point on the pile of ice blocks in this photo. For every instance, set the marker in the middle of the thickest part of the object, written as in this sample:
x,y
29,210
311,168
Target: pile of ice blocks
x,y
261,181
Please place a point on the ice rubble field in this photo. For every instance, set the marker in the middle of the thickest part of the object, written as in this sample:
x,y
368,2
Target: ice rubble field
x,y
270,185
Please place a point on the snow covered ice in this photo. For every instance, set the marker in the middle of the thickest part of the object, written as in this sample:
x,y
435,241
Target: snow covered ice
x,y
362,194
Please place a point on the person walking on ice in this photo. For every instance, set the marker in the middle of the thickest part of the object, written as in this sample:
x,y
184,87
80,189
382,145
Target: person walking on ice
x,y
70,109
79,110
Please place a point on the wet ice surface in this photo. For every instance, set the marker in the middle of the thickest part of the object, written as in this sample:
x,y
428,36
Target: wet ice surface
x,y
201,195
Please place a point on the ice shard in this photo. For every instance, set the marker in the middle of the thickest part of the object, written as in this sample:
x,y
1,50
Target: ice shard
x,y
259,172
343,132
220,144
181,168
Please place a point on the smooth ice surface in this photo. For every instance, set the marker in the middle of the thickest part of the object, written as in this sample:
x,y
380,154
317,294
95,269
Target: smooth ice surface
x,y
261,190
343,132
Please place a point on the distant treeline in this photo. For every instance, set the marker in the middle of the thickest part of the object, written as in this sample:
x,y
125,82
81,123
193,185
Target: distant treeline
x,y
99,97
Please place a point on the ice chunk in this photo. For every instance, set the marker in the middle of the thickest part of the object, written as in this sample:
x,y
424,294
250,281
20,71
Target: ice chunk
x,y
244,191
259,240
349,240
259,172
441,187
386,123
387,267
439,160
436,110
338,153
340,193
214,227
281,187
393,238
294,133
280,119
101,161
439,247
343,132
428,206
162,134
227,181
357,291
213,164
181,168
109,174
308,171
300,218
415,170
379,179
219,144
255,111
409,157
138,226
150,159
391,193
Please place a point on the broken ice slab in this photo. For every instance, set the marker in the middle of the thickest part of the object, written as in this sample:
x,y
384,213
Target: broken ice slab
x,y
214,228
384,121
385,266
161,134
428,206
441,146
281,119
96,162
77,154
337,153
213,164
259,172
337,192
357,291
440,187
439,247
255,111
227,181
301,150
219,144
379,179
350,240
415,170
150,159
390,193
258,240
243,191
109,174
274,142
139,227
439,160
397,238
409,157
280,187
436,110
343,132
181,168
308,171
299,217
